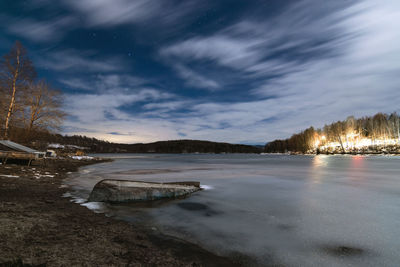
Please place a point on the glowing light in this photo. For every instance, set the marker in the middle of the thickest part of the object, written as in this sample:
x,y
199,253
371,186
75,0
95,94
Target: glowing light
x,y
352,135
354,141
317,143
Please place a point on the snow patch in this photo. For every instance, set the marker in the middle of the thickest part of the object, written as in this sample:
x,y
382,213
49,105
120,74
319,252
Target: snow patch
x,y
206,187
9,176
38,175
78,200
81,157
94,206
68,194
55,146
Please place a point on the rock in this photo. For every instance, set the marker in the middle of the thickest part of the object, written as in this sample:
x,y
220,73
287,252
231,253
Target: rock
x,y
115,191
343,250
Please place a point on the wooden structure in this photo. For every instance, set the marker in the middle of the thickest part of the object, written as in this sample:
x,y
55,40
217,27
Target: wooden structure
x,y
11,150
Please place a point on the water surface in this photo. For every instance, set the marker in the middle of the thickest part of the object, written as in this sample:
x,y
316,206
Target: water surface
x,y
292,210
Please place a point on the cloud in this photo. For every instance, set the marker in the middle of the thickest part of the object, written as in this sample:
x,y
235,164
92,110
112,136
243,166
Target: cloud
x,y
309,64
77,83
166,106
79,61
222,49
256,48
95,111
321,63
196,80
118,133
96,106
103,82
118,12
40,31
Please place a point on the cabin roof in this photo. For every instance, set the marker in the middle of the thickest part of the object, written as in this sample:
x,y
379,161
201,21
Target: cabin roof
x,y
6,145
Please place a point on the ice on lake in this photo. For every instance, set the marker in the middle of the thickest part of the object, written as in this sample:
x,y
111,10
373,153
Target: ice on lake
x,y
291,210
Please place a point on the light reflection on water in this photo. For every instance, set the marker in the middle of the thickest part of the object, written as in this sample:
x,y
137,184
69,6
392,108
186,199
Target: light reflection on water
x,y
294,210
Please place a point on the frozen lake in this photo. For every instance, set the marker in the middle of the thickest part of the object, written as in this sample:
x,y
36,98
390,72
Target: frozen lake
x,y
290,210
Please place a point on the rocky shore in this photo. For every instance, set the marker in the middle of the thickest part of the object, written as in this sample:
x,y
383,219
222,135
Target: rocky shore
x,y
41,228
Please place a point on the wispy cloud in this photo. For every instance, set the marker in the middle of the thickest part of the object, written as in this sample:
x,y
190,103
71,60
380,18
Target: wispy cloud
x,y
77,83
167,106
256,46
79,61
94,14
39,31
322,63
95,111
196,80
111,13
103,82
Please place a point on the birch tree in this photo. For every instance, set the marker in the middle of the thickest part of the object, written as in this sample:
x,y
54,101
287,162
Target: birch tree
x,y
16,72
43,108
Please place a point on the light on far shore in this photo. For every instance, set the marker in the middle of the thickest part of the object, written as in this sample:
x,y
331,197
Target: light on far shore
x,y
353,141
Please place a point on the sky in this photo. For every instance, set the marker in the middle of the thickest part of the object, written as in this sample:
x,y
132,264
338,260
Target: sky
x,y
234,71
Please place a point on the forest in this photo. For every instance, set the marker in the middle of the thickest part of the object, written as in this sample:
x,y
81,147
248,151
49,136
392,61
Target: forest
x,y
94,145
371,134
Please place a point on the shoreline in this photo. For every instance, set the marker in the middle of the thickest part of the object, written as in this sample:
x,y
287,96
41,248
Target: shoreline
x,y
332,154
39,226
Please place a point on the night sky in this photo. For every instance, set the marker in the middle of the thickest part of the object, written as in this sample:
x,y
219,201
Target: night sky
x,y
237,71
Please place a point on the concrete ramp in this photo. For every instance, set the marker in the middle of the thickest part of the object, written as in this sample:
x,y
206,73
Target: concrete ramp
x,y
115,191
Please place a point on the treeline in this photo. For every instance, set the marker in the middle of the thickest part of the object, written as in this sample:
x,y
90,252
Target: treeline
x,y
191,146
367,134
94,145
27,104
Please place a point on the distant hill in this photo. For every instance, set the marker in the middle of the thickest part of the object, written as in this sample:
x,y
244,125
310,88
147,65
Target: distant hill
x,y
94,145
191,146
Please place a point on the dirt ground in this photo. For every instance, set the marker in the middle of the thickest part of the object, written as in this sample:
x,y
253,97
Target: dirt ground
x,y
38,227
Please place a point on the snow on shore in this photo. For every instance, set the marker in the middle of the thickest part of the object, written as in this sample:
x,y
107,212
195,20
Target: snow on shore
x,y
82,157
9,176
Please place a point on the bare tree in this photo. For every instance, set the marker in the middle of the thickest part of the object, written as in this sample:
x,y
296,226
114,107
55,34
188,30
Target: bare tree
x,y
337,130
394,122
349,128
3,109
43,108
16,72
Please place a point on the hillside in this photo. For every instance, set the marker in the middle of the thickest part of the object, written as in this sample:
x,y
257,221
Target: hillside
x,y
94,145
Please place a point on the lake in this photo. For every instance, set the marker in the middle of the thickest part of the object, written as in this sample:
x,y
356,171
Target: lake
x,y
290,210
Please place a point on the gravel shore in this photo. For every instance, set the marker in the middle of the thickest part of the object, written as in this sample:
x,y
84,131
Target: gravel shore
x,y
41,228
